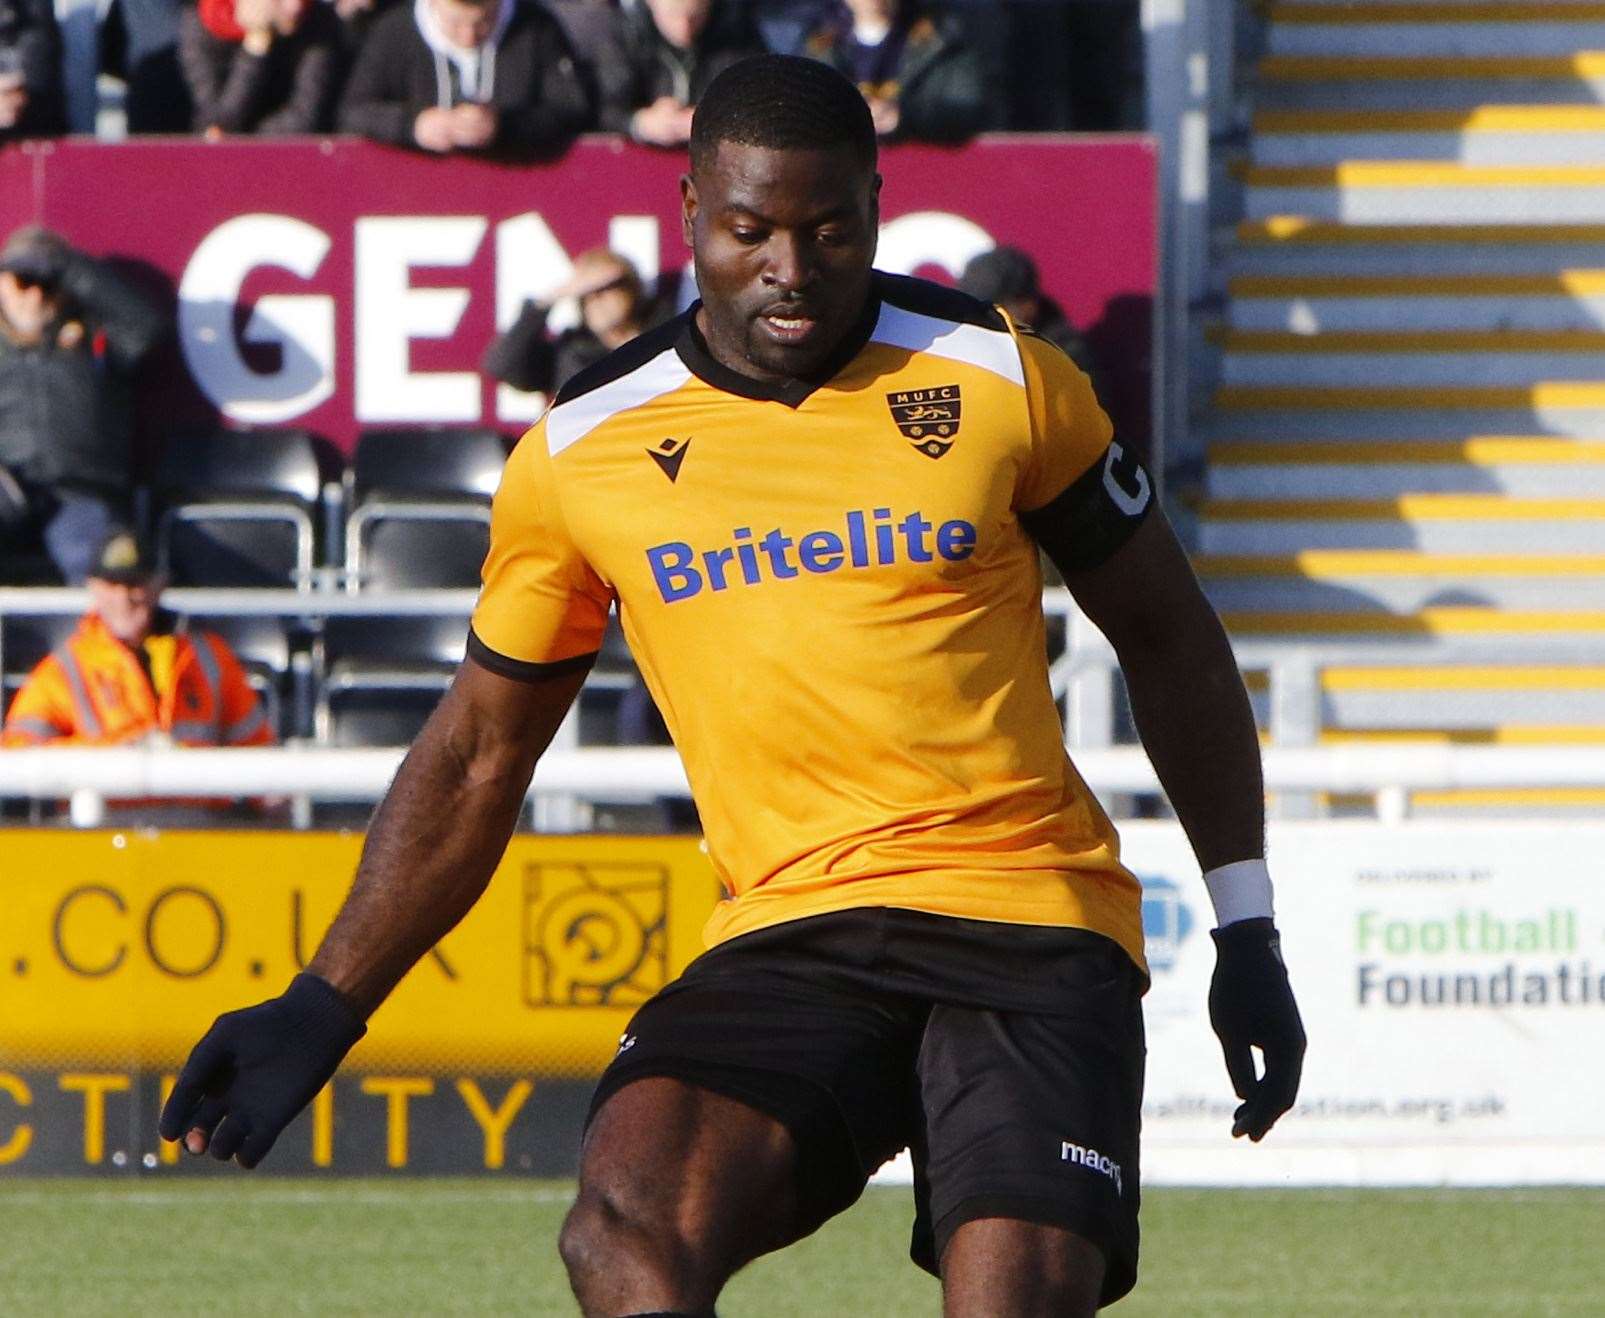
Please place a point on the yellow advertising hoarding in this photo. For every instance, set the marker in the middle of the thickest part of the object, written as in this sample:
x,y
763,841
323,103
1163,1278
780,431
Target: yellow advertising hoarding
x,y
120,947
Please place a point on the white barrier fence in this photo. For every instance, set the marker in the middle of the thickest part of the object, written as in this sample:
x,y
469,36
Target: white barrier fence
x,y
645,773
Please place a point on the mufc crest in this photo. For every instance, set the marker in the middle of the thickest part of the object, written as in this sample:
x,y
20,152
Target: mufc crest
x,y
928,418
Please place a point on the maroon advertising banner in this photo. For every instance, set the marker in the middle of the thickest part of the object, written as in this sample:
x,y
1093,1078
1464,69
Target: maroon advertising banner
x,y
334,285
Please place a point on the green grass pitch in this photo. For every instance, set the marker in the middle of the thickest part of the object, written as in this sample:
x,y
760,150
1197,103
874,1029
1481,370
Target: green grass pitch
x,y
274,1247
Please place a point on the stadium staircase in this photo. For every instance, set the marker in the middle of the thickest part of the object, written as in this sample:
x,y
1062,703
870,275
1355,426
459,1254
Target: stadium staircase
x,y
1407,441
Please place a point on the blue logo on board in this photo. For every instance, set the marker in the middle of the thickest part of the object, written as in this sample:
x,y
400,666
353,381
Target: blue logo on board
x,y
1167,921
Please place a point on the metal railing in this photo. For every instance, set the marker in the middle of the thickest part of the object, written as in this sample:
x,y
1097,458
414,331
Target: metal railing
x,y
571,778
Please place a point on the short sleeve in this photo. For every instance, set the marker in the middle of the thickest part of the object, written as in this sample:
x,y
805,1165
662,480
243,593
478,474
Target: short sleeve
x,y
541,605
1069,430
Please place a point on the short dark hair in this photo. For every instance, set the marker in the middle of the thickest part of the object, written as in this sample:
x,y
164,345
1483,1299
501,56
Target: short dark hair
x,y
785,102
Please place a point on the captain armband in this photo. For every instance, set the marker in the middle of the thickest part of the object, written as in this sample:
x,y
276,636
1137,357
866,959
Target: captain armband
x,y
1097,512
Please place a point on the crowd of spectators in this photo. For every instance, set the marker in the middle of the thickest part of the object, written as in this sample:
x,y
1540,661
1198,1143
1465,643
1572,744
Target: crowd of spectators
x,y
516,78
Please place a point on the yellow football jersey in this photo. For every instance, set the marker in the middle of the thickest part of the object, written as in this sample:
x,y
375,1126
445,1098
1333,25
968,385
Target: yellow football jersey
x,y
830,596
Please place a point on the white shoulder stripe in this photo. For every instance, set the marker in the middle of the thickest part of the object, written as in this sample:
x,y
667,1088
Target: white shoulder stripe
x,y
991,350
570,422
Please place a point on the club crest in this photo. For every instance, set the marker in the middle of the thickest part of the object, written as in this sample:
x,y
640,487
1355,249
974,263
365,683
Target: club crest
x,y
928,418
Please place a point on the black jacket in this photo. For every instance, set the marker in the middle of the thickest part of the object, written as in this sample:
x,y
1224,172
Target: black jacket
x,y
539,95
941,89
66,407
631,65
528,358
28,30
291,89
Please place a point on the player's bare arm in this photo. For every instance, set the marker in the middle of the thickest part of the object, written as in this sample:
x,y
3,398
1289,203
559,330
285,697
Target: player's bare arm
x,y
438,834
431,849
1198,729
1186,693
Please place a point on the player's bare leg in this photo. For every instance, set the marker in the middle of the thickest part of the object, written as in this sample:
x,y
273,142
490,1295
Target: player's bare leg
x,y
679,1188
1002,1268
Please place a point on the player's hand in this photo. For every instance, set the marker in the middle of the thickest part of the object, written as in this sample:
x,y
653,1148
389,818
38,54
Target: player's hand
x,y
256,1069
1251,1006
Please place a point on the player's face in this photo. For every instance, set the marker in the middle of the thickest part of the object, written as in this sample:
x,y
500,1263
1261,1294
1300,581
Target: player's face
x,y
783,240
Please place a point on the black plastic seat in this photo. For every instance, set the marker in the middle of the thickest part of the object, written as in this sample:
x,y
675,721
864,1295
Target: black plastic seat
x,y
25,639
382,676
421,548
237,508
440,462
419,507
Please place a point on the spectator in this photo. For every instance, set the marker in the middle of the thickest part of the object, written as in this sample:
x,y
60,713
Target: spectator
x,y
490,76
30,71
1008,277
129,674
921,76
72,333
261,66
614,309
651,62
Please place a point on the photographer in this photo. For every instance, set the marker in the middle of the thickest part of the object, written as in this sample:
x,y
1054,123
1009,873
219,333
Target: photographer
x,y
72,333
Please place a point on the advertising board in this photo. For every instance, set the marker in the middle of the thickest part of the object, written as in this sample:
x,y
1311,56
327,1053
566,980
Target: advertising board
x,y
1452,980
332,284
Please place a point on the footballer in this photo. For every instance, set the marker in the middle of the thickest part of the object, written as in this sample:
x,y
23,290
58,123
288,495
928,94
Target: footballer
x,y
817,501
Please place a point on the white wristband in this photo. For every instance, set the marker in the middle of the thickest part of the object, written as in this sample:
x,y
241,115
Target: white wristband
x,y
1240,891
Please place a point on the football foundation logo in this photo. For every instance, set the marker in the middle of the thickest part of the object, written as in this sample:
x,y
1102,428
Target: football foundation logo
x,y
928,418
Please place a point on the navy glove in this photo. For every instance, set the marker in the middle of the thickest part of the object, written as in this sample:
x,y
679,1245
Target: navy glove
x,y
1251,1005
255,1069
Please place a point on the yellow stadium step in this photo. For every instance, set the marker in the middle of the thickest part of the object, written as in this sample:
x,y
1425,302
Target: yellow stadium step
x,y
1480,30
1559,283
1311,230
1487,678
1455,12
1535,705
1508,735
1581,66
1510,358
1411,507
1340,565
1428,523
1401,582
1545,395
1510,800
1432,192
1428,622
1479,451
1562,119
1524,467
1485,135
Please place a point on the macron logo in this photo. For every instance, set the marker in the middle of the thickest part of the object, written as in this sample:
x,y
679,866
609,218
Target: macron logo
x,y
1092,1159
874,539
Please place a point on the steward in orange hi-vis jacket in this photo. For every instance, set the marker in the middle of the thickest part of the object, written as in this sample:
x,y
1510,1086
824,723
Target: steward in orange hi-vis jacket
x,y
122,676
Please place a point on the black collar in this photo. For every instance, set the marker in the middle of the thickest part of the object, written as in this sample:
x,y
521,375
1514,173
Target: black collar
x,y
693,351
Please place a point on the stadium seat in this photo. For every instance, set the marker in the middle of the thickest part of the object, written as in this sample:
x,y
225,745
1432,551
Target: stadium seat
x,y
24,640
382,676
419,505
236,508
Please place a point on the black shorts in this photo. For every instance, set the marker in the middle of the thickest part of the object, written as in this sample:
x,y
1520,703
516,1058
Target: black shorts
x,y
1007,1058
